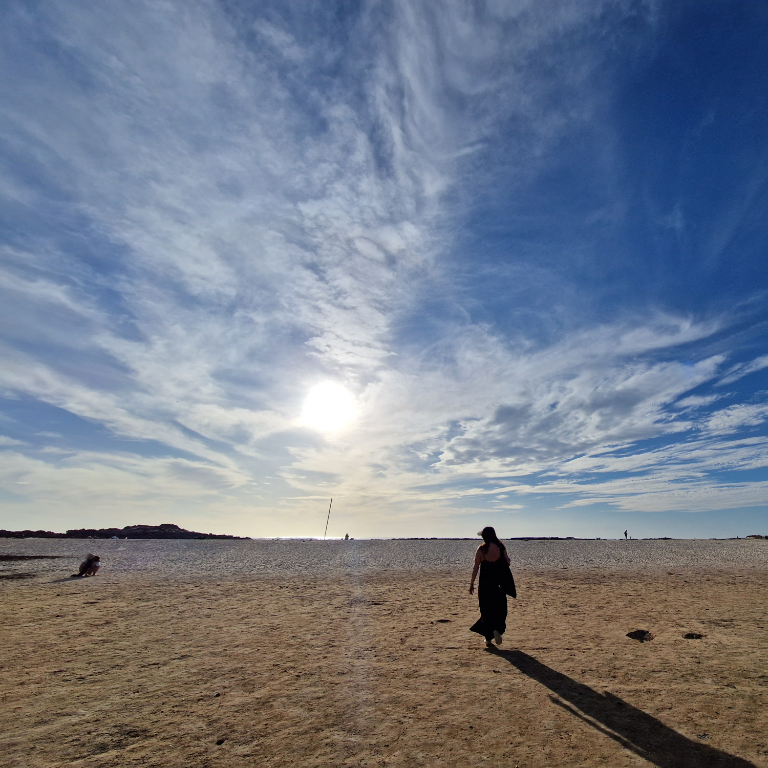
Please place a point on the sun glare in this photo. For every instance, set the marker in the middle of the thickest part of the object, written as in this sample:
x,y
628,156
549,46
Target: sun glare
x,y
328,407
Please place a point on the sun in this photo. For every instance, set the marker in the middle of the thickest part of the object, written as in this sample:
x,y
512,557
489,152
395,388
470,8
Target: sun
x,y
328,407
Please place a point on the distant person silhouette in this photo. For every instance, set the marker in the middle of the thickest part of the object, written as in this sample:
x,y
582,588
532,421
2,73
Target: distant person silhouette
x,y
495,584
625,535
346,537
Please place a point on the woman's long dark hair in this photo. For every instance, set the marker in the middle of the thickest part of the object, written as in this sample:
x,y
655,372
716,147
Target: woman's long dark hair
x,y
489,537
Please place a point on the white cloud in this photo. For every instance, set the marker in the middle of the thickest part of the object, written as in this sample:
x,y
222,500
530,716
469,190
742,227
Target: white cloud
x,y
250,225
735,417
126,416
696,401
677,477
103,489
740,371
512,415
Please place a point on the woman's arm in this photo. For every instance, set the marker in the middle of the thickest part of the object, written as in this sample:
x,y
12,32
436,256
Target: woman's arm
x,y
478,560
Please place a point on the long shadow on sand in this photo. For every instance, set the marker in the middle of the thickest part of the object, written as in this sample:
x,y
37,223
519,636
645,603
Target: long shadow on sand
x,y
631,727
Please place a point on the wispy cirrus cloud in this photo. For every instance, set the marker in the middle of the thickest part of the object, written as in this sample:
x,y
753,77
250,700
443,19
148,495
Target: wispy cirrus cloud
x,y
212,208
743,369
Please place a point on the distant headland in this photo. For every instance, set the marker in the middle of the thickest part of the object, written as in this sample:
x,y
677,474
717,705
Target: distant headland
x,y
164,531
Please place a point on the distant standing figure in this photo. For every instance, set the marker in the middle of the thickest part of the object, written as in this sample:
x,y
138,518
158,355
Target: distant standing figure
x,y
346,537
625,535
492,561
90,566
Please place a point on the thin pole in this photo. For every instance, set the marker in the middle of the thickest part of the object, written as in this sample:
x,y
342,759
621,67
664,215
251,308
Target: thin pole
x,y
328,518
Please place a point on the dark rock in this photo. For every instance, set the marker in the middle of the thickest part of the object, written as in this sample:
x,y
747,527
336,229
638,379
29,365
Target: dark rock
x,y
219,742
693,636
641,635
27,534
163,531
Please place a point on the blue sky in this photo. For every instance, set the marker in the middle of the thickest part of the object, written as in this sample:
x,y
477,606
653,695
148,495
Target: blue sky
x,y
527,239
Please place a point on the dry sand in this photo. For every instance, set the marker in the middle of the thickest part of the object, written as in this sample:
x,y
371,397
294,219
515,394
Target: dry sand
x,y
378,668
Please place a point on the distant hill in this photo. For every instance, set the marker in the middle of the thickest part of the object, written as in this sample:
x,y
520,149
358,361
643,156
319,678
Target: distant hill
x,y
164,531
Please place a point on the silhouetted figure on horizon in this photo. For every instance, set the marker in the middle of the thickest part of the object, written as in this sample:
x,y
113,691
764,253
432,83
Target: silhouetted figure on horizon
x,y
625,535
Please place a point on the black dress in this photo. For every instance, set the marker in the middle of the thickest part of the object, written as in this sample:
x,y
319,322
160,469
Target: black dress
x,y
492,596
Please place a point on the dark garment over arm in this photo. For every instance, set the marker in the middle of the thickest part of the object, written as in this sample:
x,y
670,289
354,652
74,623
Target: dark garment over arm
x,y
507,580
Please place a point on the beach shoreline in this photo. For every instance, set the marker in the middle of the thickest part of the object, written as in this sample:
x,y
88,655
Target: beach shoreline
x,y
260,557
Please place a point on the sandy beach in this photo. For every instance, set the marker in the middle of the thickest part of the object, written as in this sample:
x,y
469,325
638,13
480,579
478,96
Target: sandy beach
x,y
349,662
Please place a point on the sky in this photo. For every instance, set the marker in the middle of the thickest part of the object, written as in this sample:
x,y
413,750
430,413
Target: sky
x,y
451,264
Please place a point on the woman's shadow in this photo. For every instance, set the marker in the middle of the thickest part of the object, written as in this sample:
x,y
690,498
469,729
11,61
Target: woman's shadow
x,y
631,727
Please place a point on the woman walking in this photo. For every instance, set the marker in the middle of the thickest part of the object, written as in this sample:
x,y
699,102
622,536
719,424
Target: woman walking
x,y
496,582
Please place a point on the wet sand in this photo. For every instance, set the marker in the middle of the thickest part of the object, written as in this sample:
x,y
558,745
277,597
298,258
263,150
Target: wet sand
x,y
377,667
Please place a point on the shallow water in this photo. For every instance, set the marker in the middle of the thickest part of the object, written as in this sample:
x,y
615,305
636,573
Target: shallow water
x,y
179,558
